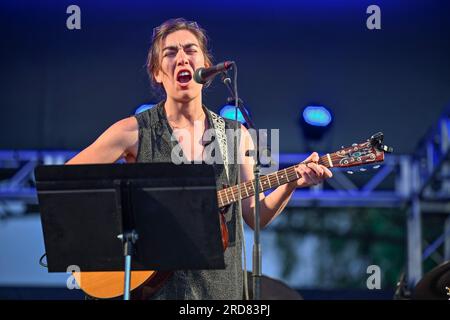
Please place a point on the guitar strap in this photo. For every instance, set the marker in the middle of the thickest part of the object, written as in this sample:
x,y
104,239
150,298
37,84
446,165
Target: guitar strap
x,y
219,127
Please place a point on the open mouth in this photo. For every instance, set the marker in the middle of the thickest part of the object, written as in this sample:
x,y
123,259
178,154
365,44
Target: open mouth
x,y
184,76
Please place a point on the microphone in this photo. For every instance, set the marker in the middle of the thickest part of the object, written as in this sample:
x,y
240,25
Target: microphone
x,y
202,75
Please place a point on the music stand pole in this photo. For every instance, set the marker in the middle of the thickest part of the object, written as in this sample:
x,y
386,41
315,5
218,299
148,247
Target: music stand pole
x,y
128,239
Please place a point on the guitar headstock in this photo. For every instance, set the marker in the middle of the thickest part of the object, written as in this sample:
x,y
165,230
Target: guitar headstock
x,y
368,152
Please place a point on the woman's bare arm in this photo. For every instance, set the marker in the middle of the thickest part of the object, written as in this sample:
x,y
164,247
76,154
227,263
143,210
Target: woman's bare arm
x,y
118,141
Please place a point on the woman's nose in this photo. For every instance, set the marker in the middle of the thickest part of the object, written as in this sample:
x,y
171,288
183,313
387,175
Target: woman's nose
x,y
182,58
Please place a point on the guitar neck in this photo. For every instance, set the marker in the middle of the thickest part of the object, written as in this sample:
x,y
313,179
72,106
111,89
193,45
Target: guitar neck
x,y
247,189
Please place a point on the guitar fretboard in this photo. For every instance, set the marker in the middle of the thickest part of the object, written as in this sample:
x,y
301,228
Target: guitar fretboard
x,y
247,189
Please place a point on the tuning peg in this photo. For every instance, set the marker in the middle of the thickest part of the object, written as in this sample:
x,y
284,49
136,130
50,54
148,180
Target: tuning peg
x,y
342,147
376,167
350,172
363,169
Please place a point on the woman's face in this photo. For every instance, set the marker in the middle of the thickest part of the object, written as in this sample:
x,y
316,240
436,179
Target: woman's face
x,y
180,56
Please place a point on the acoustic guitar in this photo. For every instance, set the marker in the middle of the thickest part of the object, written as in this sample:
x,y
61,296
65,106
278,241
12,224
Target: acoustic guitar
x,y
110,284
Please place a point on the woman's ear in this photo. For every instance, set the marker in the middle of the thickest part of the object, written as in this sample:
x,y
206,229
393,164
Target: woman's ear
x,y
158,76
207,64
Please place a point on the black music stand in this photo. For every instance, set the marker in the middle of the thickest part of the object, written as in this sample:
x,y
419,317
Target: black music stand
x,y
166,216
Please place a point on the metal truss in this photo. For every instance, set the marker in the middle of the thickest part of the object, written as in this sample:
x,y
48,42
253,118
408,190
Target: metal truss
x,y
387,186
357,189
17,185
430,193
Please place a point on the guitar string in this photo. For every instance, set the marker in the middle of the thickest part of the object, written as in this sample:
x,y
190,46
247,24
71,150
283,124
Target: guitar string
x,y
272,179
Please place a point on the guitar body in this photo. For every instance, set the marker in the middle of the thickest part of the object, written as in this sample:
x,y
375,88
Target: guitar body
x,y
107,285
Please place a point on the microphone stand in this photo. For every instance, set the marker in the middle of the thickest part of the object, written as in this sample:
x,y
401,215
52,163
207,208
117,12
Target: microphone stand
x,y
257,253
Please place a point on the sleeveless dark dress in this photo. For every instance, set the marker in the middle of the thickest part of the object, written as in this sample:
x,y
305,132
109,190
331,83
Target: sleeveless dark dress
x,y
155,145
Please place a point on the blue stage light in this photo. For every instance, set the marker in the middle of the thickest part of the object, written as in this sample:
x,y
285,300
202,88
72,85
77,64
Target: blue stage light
x,y
317,116
229,112
315,121
144,107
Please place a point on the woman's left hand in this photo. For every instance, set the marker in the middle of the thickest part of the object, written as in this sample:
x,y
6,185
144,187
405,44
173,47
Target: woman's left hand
x,y
311,173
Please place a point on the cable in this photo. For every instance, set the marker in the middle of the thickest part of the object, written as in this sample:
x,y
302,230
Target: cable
x,y
42,263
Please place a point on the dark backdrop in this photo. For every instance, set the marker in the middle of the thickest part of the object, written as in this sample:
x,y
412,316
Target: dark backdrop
x,y
62,88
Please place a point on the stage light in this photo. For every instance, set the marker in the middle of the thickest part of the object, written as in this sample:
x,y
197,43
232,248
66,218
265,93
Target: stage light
x,y
317,116
144,107
315,121
229,112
